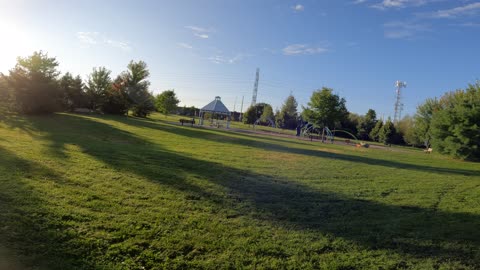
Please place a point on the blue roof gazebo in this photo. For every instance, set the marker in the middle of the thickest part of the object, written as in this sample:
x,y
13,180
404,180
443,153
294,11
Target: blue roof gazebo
x,y
216,107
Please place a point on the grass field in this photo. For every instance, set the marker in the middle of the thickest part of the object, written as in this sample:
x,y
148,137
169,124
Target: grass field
x,y
106,192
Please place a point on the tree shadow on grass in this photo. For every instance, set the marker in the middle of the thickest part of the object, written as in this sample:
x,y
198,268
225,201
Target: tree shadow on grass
x,y
35,237
417,232
247,140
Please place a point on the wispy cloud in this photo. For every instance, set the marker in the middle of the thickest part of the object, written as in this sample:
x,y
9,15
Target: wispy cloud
x,y
185,45
200,32
302,49
356,2
469,9
221,59
386,4
88,37
403,30
298,8
96,38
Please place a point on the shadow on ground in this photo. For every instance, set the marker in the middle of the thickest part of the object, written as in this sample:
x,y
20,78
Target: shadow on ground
x,y
418,232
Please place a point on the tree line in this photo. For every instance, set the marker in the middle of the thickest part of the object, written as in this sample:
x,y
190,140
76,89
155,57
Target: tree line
x,y
35,86
450,124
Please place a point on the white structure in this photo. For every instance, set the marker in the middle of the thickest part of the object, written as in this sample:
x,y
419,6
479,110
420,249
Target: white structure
x,y
216,108
398,101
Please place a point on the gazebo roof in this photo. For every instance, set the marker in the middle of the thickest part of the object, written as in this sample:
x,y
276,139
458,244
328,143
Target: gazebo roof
x,y
216,106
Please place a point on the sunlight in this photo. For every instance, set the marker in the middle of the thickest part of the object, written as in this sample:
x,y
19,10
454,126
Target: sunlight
x,y
15,42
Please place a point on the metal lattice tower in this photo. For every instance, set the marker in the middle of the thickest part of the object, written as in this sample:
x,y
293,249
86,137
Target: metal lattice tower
x,y
398,102
255,88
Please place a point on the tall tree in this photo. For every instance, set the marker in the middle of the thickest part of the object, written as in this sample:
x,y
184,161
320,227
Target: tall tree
x,y
406,129
326,109
455,128
423,120
366,124
287,117
137,84
387,133
99,83
72,91
375,133
34,84
262,111
166,102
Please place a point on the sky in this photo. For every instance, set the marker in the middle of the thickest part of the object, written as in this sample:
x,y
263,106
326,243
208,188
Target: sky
x,y
208,48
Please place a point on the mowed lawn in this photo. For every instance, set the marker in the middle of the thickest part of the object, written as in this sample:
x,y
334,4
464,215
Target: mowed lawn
x,y
107,192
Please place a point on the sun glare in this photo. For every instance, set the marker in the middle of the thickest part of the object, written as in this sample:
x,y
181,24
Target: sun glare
x,y
15,42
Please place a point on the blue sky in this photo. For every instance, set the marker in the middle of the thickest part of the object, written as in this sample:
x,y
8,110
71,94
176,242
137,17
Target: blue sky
x,y
207,48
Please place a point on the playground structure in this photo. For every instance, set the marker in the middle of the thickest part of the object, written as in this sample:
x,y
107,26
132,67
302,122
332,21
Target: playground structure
x,y
270,122
307,129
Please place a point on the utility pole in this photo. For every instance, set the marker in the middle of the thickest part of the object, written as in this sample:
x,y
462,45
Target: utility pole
x,y
241,110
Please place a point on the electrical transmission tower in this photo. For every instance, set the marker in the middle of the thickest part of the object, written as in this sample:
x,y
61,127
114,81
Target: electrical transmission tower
x,y
255,88
398,101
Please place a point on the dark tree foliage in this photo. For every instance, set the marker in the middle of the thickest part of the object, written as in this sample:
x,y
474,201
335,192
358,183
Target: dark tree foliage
x,y
262,111
387,133
375,133
33,84
188,111
72,91
326,109
115,99
287,117
366,124
455,128
136,84
99,83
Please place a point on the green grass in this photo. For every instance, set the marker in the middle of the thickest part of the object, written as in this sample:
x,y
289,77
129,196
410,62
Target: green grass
x,y
106,192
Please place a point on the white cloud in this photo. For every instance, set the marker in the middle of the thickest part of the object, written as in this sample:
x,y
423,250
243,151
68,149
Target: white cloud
x,y
185,45
204,36
356,2
299,49
457,11
220,59
298,8
403,30
385,4
88,37
200,32
96,38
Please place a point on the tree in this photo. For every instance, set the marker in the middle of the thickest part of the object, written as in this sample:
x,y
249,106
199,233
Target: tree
x,y
366,124
166,102
455,126
423,119
33,83
287,116
72,90
4,92
387,133
406,129
136,83
115,100
375,133
262,111
99,83
326,109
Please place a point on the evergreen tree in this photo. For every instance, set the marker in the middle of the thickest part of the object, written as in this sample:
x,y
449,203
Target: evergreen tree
x,y
287,116
375,133
387,133
34,84
366,124
455,128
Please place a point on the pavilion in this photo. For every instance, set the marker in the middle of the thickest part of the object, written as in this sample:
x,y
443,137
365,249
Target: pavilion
x,y
216,108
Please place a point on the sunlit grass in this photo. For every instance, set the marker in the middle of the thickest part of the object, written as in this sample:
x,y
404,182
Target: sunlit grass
x,y
80,191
